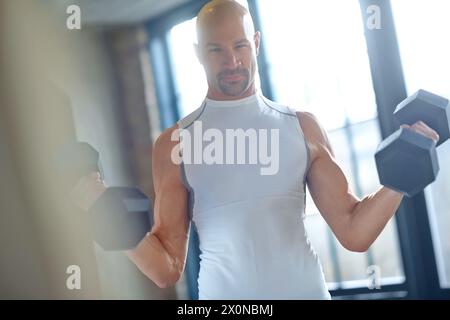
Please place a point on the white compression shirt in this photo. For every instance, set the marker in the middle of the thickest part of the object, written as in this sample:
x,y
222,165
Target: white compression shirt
x,y
251,231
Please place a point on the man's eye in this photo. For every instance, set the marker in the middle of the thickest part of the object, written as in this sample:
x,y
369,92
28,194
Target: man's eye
x,y
214,50
239,46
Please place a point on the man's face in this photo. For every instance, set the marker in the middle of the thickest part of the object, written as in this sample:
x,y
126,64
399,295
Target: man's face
x,y
227,50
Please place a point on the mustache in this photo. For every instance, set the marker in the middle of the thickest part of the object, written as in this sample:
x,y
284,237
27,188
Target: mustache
x,y
238,71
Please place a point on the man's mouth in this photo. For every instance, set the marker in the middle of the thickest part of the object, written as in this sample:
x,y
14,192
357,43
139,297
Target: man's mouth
x,y
232,78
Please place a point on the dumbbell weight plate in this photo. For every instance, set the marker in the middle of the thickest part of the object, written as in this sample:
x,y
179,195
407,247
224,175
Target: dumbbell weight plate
x,y
407,162
121,218
425,106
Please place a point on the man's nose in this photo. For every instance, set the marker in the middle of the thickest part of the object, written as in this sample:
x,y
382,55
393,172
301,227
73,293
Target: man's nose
x,y
231,59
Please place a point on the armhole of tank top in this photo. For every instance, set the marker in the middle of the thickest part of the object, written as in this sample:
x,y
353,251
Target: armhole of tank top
x,y
188,187
187,121
292,113
182,168
184,124
305,142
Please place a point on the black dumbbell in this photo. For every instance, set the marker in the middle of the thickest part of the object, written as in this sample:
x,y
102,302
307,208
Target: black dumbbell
x,y
121,216
406,160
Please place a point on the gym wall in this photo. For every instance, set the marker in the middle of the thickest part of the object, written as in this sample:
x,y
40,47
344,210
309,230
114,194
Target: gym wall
x,y
59,85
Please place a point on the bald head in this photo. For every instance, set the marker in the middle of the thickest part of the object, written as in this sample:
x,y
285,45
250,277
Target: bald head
x,y
216,12
227,48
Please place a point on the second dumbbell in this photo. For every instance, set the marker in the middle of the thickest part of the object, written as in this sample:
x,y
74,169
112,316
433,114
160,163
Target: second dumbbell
x,y
406,160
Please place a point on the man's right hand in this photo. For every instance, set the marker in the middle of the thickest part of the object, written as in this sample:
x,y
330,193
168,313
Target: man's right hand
x,y
87,190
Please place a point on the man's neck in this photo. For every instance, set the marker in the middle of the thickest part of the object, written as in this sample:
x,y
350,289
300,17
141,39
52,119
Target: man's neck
x,y
218,96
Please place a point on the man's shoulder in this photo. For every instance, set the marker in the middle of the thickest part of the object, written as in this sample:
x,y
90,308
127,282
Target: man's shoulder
x,y
315,134
187,120
280,107
170,137
308,118
308,121
165,143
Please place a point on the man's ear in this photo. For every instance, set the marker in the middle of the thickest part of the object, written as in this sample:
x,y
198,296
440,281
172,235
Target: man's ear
x,y
198,53
257,40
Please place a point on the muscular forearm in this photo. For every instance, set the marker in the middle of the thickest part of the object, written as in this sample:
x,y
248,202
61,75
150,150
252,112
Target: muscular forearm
x,y
154,261
370,216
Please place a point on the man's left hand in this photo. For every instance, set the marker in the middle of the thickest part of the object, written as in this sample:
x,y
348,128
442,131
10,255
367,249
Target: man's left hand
x,y
422,128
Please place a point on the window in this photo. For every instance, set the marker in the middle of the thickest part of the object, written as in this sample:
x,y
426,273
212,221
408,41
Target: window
x,y
423,30
190,79
320,64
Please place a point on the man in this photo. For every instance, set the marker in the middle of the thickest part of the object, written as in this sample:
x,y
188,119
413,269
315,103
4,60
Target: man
x,y
252,236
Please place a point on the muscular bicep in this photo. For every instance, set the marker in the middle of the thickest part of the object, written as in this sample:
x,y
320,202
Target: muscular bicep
x,y
171,222
327,183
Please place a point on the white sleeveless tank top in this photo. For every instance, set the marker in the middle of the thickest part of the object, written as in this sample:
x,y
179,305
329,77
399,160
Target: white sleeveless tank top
x,y
251,231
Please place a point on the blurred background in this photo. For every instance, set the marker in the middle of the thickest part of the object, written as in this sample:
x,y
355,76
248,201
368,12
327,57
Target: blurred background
x,y
128,71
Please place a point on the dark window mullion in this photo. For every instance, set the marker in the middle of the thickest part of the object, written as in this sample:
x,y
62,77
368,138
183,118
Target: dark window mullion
x,y
263,64
412,217
164,82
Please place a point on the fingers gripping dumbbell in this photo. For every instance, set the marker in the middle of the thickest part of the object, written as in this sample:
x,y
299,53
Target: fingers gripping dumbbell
x,y
406,160
121,216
